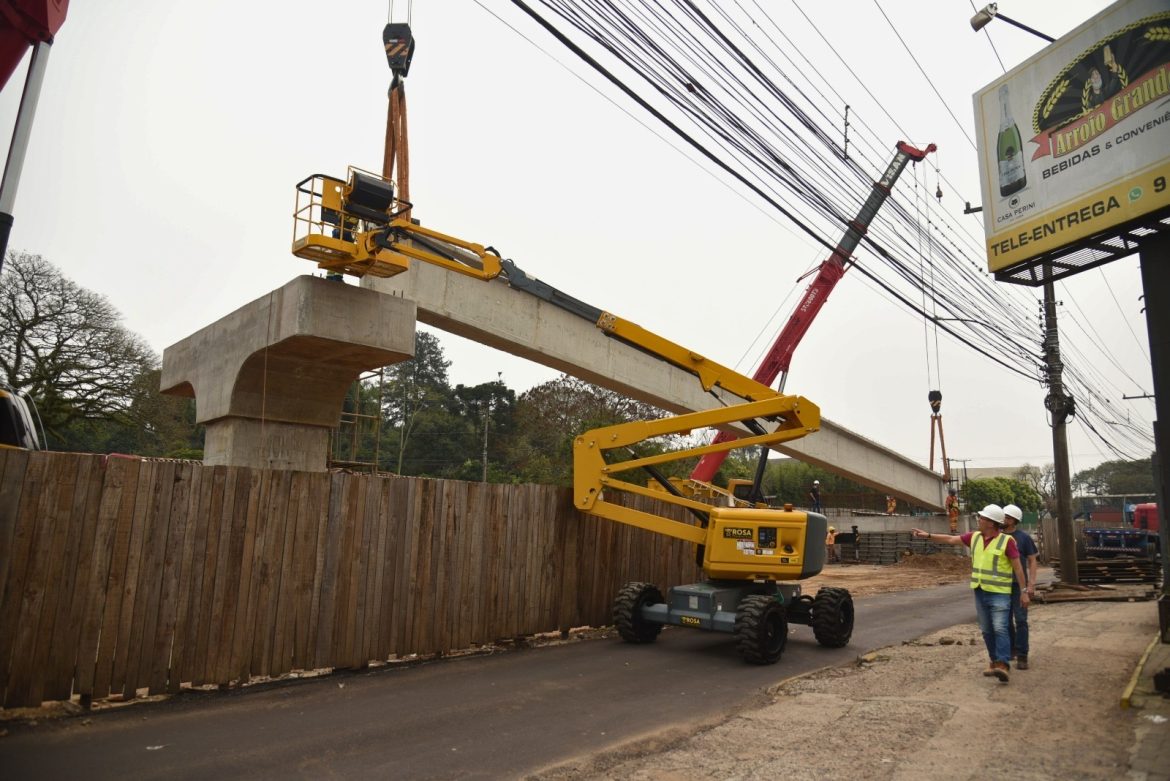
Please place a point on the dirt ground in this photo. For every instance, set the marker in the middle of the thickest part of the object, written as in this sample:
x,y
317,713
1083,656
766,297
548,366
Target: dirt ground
x,y
923,710
911,572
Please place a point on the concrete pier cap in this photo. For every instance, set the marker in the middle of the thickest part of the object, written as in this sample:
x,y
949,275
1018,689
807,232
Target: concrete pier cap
x,y
269,379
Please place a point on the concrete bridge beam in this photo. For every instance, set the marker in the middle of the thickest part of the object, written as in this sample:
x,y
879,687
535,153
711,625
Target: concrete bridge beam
x,y
495,314
269,379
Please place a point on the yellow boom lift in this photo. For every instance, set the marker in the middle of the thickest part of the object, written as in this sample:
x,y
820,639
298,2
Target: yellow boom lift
x,y
752,557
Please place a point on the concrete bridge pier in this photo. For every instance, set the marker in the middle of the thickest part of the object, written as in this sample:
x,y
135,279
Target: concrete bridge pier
x,y
269,379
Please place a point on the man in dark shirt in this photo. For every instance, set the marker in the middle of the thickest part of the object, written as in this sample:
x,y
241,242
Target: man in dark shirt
x,y
815,495
1018,619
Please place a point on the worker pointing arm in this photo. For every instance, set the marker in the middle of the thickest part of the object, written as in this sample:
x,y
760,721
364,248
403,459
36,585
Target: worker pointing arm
x,y
994,559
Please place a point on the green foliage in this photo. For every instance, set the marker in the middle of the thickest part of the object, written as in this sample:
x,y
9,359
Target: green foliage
x,y
1116,477
979,493
95,383
549,416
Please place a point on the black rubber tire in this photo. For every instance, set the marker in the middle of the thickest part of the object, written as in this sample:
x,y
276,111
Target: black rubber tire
x,y
832,617
761,629
627,612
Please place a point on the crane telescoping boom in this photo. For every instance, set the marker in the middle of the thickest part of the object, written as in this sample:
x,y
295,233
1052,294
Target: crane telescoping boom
x,y
779,356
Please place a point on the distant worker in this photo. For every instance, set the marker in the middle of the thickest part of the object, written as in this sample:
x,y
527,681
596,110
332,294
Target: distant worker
x,y
856,545
815,495
891,505
952,505
1018,620
831,545
994,559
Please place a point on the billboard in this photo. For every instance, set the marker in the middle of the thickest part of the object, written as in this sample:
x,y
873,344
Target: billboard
x,y
1076,140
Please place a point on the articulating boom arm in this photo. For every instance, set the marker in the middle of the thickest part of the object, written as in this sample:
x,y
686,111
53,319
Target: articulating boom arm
x,y
592,475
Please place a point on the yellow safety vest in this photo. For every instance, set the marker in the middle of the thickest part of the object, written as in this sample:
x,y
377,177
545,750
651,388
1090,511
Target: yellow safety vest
x,y
991,569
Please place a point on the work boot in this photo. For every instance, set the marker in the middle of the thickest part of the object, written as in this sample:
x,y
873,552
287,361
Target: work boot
x,y
1001,671
990,671
1022,663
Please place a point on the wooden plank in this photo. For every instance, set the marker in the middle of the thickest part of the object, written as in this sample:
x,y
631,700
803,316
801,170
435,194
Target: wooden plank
x,y
402,501
13,466
220,574
459,566
476,591
203,625
156,670
418,547
568,537
125,499
280,550
193,528
23,542
350,572
550,558
327,609
428,533
88,600
38,603
304,558
497,624
244,633
74,578
366,625
129,625
201,537
319,492
271,557
439,592
225,664
150,583
376,643
140,596
284,592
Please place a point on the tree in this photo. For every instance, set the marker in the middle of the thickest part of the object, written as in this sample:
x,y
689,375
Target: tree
x,y
416,391
550,416
1116,477
66,347
981,492
1042,480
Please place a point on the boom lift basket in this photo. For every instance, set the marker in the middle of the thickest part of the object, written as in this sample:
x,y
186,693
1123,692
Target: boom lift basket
x,y
335,222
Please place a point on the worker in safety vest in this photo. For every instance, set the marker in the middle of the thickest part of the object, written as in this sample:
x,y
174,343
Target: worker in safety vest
x,y
891,505
952,505
831,545
994,560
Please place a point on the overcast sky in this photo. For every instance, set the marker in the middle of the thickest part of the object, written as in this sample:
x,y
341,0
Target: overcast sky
x,y
170,135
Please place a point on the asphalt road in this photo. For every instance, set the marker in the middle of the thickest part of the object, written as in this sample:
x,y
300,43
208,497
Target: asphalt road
x,y
497,716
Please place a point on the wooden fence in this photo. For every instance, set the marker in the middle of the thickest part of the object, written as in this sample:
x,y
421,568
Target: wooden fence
x,y
120,575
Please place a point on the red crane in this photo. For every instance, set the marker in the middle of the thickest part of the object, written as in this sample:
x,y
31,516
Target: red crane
x,y
779,357
25,23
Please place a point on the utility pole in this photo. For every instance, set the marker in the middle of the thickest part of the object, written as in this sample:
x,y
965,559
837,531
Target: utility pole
x,y
1060,406
487,409
487,416
1155,262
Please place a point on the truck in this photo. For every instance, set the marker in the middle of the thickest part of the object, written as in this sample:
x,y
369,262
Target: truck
x,y
18,423
1139,540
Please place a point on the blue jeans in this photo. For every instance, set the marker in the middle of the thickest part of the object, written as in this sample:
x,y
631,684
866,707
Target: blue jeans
x,y
993,611
1018,625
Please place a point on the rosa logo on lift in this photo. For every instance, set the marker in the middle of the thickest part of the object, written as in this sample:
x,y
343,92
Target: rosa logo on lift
x,y
737,533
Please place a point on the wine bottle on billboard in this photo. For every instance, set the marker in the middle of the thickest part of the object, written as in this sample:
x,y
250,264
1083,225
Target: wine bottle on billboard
x,y
1012,176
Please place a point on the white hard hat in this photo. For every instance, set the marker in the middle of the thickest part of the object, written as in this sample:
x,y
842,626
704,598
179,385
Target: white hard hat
x,y
993,513
1013,512
816,482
